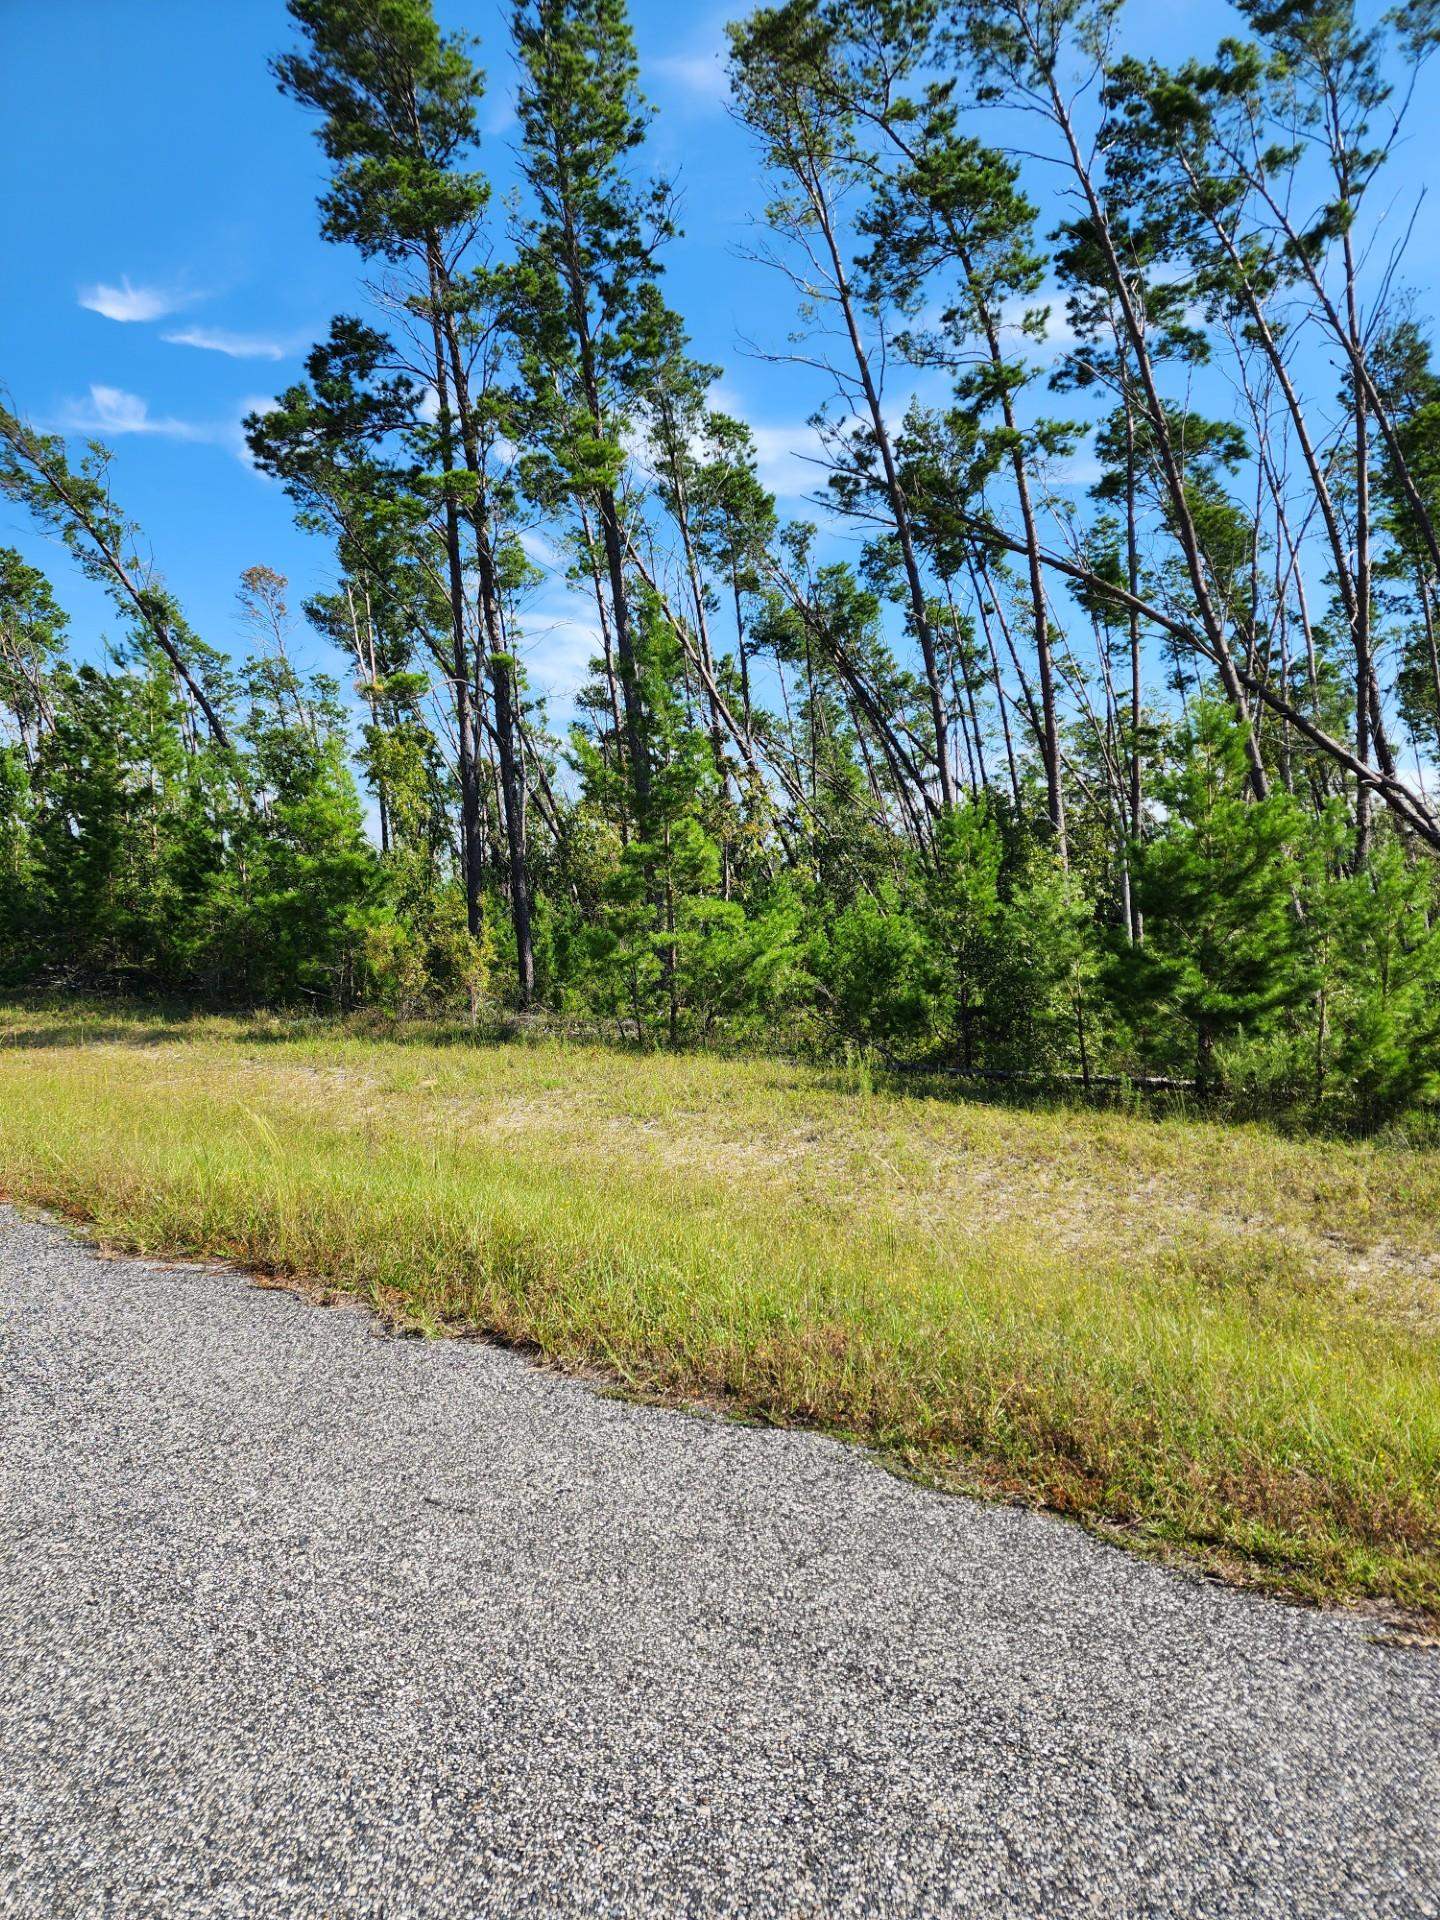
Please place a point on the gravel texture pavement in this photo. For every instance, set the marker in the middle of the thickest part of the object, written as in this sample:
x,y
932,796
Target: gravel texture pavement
x,y
299,1619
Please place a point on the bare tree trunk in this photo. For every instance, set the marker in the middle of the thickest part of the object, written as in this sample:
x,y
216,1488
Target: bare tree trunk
x,y
471,851
1049,735
1409,808
1184,520
501,674
1132,581
895,493
612,535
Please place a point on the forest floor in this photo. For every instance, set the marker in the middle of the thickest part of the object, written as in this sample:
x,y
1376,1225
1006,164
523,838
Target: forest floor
x,y
1209,1341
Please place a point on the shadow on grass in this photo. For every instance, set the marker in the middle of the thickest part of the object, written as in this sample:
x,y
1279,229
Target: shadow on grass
x,y
146,1027
90,1033
55,1021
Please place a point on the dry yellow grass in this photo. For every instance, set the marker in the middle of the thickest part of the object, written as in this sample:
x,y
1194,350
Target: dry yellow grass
x,y
1207,1337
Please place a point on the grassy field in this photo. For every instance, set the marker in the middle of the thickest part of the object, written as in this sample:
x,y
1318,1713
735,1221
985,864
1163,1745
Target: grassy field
x,y
1199,1338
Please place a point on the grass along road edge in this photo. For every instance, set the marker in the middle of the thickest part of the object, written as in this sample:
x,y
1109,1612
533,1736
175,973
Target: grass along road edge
x,y
770,1240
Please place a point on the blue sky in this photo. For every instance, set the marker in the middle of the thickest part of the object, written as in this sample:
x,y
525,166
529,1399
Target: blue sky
x,y
165,272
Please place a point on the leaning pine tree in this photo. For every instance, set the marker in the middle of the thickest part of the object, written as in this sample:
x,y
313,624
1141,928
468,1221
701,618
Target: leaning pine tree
x,y
400,100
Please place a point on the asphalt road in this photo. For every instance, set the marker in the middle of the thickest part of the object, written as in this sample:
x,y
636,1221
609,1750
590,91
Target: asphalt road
x,y
301,1619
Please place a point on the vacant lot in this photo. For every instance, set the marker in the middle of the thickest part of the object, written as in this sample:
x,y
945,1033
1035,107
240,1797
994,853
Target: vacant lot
x,y
1204,1337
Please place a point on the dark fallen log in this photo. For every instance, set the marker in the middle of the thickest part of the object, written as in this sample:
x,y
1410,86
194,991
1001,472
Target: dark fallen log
x,y
1142,1082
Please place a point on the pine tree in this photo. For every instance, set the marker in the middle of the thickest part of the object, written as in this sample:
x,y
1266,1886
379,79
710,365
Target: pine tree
x,y
76,503
400,101
592,327
1223,953
32,639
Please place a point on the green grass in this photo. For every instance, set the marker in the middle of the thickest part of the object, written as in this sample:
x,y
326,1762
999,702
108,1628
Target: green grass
x,y
1207,1339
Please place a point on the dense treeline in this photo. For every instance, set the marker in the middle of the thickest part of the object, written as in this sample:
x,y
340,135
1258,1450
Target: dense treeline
x,y
1020,777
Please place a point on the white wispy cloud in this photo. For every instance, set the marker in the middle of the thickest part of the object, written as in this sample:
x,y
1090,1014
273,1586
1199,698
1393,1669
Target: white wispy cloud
x,y
237,346
499,115
700,75
788,458
1081,471
111,410
1058,337
561,636
786,451
127,302
234,436
112,413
